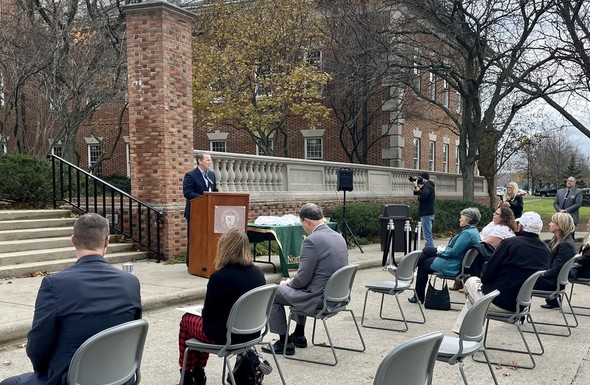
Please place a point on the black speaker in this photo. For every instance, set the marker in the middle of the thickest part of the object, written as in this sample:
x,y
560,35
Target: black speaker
x,y
344,179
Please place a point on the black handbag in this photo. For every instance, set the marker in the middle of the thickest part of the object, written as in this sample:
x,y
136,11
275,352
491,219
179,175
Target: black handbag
x,y
437,299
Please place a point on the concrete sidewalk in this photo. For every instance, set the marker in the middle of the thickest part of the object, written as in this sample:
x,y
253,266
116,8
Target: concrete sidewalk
x,y
566,360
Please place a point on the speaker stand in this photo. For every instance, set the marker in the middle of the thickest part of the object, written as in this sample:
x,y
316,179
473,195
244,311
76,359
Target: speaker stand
x,y
344,228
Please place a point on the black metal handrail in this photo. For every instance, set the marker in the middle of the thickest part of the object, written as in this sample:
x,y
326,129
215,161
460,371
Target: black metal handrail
x,y
127,215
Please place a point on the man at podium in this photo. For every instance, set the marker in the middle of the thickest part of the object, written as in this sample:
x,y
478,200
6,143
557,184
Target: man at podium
x,y
196,182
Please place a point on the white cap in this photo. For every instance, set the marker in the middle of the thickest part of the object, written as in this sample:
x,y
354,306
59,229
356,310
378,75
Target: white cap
x,y
531,222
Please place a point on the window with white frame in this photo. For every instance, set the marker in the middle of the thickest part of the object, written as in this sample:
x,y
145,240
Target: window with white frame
x,y
457,164
417,79
263,79
94,153
57,150
432,86
314,148
459,102
270,144
127,156
218,145
445,157
315,58
417,153
431,155
1,90
446,92
3,149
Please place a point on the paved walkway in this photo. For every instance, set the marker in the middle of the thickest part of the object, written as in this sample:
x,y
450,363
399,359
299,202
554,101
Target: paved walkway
x,y
566,361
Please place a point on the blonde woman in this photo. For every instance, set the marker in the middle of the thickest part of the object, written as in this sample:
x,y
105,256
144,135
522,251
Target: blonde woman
x,y
235,275
562,249
512,199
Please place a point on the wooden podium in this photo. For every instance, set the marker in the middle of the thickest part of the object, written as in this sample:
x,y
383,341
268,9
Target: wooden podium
x,y
210,216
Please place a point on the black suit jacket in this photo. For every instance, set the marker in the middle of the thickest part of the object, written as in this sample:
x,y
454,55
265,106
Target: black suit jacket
x,y
73,305
194,185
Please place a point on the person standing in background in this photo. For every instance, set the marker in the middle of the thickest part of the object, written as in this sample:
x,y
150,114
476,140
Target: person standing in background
x,y
569,200
513,200
196,182
424,189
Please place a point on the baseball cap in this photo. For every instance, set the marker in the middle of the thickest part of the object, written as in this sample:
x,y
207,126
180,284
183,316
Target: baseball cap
x,y
531,222
425,175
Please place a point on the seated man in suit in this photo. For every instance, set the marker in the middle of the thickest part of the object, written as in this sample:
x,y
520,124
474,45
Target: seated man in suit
x,y
76,303
514,260
322,253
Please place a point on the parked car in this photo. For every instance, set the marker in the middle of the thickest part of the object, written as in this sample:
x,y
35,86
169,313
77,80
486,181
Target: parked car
x,y
546,191
522,192
500,190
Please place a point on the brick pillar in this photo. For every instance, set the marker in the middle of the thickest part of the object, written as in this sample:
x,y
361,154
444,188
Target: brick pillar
x,y
159,64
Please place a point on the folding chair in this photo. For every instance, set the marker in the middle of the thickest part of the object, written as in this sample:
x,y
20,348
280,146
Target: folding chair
x,y
522,313
336,298
579,281
411,363
249,315
110,357
558,294
403,278
466,262
454,349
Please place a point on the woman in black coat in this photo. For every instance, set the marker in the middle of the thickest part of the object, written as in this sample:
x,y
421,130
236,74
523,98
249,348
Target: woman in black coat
x,y
562,250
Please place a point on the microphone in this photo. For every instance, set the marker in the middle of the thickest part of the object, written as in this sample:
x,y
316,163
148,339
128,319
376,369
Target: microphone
x,y
210,182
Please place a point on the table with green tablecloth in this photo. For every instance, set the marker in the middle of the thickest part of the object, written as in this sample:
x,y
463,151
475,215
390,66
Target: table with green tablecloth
x,y
289,239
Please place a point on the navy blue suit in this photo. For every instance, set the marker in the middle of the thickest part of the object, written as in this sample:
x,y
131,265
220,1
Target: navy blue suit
x,y
194,185
73,305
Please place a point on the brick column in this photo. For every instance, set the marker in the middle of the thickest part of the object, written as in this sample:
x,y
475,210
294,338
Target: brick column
x,y
159,64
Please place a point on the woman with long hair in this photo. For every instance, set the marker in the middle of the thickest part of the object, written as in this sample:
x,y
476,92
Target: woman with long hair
x,y
235,275
562,249
513,200
581,268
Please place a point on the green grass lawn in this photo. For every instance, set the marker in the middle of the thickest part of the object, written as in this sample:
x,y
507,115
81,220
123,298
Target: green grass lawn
x,y
544,206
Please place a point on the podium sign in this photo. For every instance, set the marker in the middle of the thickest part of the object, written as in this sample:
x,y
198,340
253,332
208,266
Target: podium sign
x,y
211,215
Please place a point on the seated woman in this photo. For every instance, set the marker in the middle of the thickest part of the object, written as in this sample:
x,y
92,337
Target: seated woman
x,y
502,226
235,275
512,199
449,260
581,268
562,249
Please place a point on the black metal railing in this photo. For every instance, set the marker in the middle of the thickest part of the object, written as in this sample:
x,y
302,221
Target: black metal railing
x,y
127,215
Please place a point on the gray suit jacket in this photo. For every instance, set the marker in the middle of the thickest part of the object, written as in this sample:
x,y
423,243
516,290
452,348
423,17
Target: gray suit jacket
x,y
572,204
322,253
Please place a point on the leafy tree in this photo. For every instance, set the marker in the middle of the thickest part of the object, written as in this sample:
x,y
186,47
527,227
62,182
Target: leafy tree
x,y
254,65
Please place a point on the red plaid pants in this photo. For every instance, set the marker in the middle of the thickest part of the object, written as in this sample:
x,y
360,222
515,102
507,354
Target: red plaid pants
x,y
191,326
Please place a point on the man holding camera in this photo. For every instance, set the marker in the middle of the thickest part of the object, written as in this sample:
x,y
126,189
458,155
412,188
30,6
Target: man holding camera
x,y
424,188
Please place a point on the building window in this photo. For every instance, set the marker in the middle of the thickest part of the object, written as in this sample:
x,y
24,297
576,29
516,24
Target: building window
x,y
1,90
263,79
315,59
127,156
314,148
57,150
432,86
446,93
431,155
218,145
459,101
445,159
270,143
417,153
3,149
457,164
417,76
94,153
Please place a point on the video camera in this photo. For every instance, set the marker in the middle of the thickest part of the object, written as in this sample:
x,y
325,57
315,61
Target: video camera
x,y
417,179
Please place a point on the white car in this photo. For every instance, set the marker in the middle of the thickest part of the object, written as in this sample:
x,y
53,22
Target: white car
x,y
522,192
500,191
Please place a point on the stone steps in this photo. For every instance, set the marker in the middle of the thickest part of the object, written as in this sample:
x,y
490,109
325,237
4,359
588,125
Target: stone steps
x,y
34,241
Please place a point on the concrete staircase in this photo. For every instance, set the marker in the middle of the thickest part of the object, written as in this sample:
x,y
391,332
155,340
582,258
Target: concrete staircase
x,y
33,241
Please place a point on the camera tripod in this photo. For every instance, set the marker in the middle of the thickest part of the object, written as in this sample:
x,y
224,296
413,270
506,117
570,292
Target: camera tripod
x,y
344,226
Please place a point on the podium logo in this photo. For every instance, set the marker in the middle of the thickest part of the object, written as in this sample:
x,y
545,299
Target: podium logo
x,y
230,218
227,217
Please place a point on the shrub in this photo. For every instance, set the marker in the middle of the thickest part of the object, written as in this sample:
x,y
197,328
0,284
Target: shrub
x,y
119,181
363,218
25,179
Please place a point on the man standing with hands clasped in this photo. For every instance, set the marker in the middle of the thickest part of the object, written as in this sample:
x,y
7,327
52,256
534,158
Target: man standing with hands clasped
x,y
424,189
569,200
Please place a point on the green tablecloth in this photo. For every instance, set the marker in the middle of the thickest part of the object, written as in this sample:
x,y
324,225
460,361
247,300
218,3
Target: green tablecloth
x,y
289,239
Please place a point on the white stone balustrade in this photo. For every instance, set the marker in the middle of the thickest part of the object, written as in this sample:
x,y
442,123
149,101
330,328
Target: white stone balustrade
x,y
266,177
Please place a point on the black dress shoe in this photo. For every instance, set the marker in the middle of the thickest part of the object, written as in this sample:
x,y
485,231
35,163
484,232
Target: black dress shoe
x,y
550,306
298,341
278,348
413,299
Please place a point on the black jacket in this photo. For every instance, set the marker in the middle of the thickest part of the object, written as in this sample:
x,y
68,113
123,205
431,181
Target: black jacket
x,y
426,195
